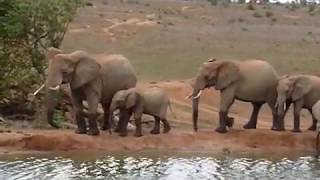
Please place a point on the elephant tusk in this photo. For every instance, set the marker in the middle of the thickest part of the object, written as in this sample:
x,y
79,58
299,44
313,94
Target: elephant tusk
x,y
38,90
198,95
188,97
55,88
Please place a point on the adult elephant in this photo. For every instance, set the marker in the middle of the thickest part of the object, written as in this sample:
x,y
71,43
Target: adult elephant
x,y
303,91
90,79
252,81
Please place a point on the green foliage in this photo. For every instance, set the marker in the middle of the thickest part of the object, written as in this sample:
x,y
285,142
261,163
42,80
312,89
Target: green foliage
x,y
27,29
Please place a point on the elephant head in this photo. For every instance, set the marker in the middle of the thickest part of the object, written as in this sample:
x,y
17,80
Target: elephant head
x,y
293,88
76,68
124,99
219,74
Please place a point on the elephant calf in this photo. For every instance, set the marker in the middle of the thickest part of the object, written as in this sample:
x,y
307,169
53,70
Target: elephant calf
x,y
151,101
303,91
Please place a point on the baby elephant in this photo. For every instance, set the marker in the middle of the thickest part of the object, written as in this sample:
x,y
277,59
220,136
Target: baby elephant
x,y
152,101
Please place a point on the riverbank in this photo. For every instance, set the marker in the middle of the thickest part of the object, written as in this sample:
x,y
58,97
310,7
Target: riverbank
x,y
236,141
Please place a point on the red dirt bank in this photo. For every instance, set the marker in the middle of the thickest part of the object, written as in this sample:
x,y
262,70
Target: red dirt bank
x,y
203,141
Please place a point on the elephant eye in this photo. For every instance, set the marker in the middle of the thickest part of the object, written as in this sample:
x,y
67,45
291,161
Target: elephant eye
x,y
64,73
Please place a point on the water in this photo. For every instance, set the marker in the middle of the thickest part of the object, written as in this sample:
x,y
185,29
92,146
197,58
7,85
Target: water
x,y
161,167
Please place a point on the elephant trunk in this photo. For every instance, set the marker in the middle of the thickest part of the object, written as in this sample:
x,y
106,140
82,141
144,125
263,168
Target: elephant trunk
x,y
195,105
51,101
281,106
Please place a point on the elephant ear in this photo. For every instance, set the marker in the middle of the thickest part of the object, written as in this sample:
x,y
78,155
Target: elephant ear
x,y
86,69
228,72
131,99
301,86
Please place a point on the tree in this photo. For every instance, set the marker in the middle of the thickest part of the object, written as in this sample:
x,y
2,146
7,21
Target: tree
x,y
27,29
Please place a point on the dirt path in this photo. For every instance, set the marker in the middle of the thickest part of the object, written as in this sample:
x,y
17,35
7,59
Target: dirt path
x,y
181,138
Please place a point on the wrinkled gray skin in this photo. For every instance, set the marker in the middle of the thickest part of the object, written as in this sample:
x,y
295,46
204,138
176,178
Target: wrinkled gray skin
x,y
303,91
91,80
252,81
151,101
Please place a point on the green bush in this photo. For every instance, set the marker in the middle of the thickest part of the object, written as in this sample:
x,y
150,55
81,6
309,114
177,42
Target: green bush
x,y
27,29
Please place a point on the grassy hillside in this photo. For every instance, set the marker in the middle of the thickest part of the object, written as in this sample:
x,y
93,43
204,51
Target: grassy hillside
x,y
169,39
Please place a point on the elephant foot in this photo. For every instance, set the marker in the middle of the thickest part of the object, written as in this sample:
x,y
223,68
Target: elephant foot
x,y
80,131
230,122
250,126
93,132
137,134
278,129
312,128
155,131
296,130
166,129
221,130
123,134
104,128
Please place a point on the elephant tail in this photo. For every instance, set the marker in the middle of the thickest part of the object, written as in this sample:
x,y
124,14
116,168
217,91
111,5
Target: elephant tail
x,y
172,112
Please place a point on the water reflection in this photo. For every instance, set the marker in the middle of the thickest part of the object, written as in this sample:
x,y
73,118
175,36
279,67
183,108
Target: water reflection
x,y
110,167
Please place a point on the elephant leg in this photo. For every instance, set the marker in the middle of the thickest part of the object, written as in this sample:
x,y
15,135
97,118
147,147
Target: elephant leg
x,y
296,121
317,142
138,127
226,100
166,125
313,127
124,120
252,124
107,122
93,102
78,108
156,128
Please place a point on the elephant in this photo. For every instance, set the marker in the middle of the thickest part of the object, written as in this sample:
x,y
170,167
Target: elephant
x,y
303,91
252,81
90,79
316,115
153,101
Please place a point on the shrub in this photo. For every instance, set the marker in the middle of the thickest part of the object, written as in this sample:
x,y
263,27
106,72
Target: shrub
x,y
213,2
250,7
311,7
256,15
240,19
27,29
269,14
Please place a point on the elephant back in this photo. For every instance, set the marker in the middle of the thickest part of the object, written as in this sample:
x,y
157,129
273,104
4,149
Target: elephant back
x,y
117,73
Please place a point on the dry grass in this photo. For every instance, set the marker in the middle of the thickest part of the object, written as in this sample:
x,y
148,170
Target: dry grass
x,y
186,33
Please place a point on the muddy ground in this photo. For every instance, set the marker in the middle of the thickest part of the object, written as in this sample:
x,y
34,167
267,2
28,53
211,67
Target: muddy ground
x,y
181,138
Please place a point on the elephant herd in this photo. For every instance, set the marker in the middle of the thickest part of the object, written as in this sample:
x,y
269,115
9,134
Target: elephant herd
x,y
112,80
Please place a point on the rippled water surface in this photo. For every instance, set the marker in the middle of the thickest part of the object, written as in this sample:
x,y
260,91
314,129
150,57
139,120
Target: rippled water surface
x,y
161,167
